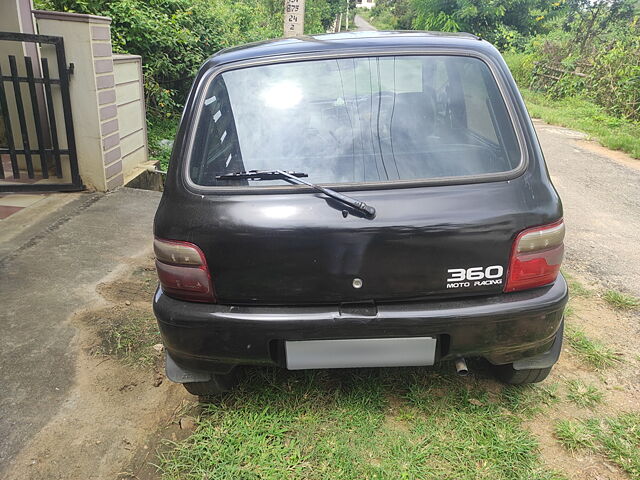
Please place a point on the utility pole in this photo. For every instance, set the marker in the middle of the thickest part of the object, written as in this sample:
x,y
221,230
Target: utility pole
x,y
347,26
293,18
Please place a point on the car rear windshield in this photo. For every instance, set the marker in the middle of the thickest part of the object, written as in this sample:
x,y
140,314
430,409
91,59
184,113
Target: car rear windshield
x,y
355,120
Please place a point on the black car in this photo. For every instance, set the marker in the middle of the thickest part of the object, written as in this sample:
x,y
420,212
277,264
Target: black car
x,y
358,200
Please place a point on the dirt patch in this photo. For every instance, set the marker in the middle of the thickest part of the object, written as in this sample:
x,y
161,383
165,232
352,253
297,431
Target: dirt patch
x,y
395,415
620,384
120,408
137,287
575,466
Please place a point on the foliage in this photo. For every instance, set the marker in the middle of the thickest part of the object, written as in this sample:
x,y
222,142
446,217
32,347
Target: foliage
x,y
581,114
174,37
130,336
161,131
506,23
595,53
565,48
521,66
573,435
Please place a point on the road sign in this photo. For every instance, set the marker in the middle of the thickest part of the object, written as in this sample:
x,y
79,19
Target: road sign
x,y
293,18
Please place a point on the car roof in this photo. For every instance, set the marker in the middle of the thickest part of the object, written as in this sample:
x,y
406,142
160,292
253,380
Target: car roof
x,y
350,41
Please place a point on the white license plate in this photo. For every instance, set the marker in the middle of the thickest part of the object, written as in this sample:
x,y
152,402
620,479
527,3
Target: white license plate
x,y
360,352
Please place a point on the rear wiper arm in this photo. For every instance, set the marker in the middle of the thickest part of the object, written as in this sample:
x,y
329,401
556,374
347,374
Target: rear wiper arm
x,y
294,177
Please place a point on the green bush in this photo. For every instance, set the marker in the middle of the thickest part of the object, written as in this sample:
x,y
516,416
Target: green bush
x,y
614,79
521,66
603,67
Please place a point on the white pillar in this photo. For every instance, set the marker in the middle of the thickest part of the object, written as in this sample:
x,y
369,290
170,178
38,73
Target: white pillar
x,y
87,41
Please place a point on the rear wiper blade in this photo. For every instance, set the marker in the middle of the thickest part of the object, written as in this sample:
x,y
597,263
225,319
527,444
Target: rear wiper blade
x,y
294,177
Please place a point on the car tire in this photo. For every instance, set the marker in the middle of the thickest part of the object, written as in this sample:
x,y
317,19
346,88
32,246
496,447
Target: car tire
x,y
508,374
219,384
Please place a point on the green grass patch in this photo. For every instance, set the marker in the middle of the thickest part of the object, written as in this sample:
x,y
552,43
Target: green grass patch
x,y
580,114
583,395
357,424
159,130
529,400
573,435
591,352
621,301
576,289
129,335
616,438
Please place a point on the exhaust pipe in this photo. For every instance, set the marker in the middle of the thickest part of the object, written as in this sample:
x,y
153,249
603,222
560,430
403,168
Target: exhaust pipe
x,y
461,367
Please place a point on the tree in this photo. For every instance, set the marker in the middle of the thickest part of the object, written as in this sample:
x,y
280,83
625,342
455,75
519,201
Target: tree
x,y
586,17
501,21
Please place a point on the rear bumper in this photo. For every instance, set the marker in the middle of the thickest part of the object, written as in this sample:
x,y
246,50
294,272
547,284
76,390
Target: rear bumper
x,y
502,328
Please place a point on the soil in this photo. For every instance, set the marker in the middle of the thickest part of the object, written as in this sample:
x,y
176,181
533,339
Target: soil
x,y
620,385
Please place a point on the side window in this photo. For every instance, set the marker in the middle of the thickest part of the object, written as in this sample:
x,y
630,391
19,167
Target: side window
x,y
219,146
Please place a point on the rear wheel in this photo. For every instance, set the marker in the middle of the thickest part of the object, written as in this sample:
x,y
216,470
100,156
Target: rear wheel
x,y
219,383
508,374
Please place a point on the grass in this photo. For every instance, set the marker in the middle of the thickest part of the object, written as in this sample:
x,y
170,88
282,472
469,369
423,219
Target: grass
x,y
569,311
583,395
130,337
580,114
529,400
357,424
621,301
576,289
158,129
573,435
616,438
591,352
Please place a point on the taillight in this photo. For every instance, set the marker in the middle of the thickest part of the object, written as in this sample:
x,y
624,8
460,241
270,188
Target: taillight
x,y
536,257
182,270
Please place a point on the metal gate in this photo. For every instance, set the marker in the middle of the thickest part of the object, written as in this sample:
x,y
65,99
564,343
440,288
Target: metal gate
x,y
40,163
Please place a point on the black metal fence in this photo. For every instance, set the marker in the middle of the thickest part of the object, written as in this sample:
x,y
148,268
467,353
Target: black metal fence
x,y
39,165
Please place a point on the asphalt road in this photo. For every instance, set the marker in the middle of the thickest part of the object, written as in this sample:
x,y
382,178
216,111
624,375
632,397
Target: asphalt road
x,y
600,191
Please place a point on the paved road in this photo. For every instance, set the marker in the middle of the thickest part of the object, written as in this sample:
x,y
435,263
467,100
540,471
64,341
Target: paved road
x,y
48,277
600,190
362,25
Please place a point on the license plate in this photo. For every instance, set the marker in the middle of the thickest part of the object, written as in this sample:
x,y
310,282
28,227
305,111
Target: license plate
x,y
360,352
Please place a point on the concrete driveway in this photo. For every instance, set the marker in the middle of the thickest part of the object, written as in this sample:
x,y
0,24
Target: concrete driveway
x,y
362,25
47,273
